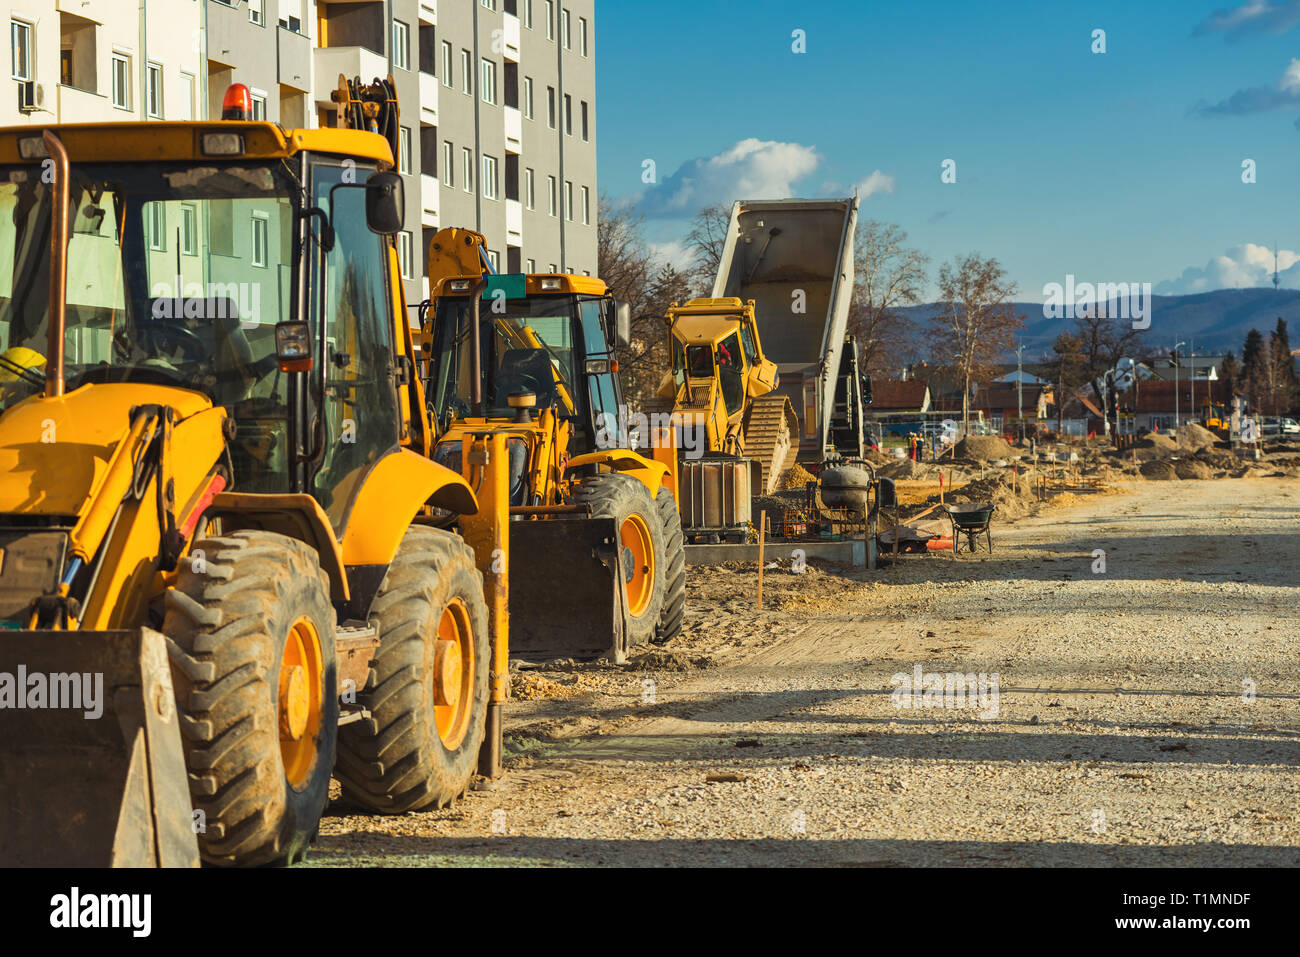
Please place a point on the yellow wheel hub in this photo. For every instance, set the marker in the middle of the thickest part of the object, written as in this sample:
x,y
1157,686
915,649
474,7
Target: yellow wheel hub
x,y
454,667
639,554
302,690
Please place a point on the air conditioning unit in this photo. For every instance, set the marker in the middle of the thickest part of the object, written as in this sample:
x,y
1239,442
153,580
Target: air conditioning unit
x,y
31,96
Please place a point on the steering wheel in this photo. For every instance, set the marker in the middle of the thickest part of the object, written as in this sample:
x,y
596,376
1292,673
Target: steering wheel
x,y
155,335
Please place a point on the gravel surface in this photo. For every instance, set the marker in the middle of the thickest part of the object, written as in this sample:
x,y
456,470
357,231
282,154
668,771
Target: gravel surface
x,y
1146,713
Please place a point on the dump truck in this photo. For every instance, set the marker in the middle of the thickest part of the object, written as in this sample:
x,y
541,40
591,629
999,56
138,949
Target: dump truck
x,y
222,576
793,258
533,357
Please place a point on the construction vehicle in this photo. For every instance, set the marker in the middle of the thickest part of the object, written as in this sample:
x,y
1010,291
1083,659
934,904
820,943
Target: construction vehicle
x,y
217,501
1216,417
793,259
533,358
722,385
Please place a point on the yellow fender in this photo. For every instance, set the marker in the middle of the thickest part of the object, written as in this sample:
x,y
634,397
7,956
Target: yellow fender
x,y
654,475
393,493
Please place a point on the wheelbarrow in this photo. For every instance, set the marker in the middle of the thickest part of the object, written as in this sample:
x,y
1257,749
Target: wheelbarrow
x,y
971,521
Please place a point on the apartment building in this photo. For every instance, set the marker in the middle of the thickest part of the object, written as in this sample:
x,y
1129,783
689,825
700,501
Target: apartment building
x,y
498,97
74,61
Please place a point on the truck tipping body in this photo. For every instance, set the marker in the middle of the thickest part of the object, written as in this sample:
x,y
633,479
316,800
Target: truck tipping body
x,y
794,258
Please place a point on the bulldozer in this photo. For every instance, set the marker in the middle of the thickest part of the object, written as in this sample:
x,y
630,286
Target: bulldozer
x,y
222,578
533,358
721,385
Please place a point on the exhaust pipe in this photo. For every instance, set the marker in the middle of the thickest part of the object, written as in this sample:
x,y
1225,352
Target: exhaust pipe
x,y
58,265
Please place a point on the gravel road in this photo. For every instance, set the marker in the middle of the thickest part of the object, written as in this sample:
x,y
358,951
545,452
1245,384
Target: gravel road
x,y
1144,712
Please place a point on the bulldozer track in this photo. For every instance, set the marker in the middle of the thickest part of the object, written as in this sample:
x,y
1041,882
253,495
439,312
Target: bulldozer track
x,y
770,438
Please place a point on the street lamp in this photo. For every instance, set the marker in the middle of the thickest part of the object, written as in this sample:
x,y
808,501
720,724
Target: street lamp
x,y
1175,359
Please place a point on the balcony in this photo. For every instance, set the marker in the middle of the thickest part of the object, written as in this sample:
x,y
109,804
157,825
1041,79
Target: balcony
x,y
78,106
351,62
514,222
428,99
429,192
514,124
295,60
510,39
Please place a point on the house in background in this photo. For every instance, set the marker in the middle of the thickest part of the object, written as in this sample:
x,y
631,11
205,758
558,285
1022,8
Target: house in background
x,y
1002,403
892,395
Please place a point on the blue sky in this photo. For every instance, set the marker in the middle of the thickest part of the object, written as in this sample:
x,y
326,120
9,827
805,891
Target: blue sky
x,y
1116,166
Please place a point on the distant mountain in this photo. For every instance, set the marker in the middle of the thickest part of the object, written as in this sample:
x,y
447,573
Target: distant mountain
x,y
1212,321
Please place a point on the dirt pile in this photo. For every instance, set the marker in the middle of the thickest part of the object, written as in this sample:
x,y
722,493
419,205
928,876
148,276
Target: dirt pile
x,y
983,448
996,490
1158,470
1189,468
795,478
1193,438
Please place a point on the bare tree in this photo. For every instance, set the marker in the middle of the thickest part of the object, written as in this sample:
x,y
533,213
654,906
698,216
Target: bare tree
x,y
706,240
886,275
1103,341
976,324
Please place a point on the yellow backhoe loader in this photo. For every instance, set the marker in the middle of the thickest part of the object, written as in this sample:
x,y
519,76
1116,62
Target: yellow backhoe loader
x,y
220,575
597,559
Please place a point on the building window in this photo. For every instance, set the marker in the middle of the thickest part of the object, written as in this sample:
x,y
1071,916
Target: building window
x,y
568,200
121,81
401,45
406,254
259,107
261,239
255,13
582,35
495,259
528,97
490,4
20,39
189,229
530,265
448,171
564,29
550,107
586,129
466,73
488,81
158,227
404,150
467,169
155,91
530,189
489,177
291,15
586,206
446,64
528,13
550,195
568,114
554,268
550,19
188,88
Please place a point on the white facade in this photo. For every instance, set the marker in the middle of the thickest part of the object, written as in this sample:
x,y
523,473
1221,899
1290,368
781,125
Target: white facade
x,y
81,61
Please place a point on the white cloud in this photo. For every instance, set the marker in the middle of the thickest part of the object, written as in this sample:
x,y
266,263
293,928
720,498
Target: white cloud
x,y
1241,267
1290,81
877,182
752,169
673,253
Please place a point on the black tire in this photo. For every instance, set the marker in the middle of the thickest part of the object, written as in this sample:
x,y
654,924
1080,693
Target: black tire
x,y
229,617
622,498
395,761
673,612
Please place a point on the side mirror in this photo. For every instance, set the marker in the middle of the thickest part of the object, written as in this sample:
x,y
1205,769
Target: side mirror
x,y
385,203
623,324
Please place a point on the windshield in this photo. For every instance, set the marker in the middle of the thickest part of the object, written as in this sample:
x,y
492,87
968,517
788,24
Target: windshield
x,y
527,348
177,274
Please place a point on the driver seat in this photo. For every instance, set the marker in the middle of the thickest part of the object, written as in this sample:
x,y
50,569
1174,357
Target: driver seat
x,y
526,370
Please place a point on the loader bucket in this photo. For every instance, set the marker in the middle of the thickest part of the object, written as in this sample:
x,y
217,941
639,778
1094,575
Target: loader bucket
x,y
88,789
565,600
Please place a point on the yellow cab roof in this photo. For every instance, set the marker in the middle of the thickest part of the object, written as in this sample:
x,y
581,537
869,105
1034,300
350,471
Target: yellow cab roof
x,y
569,285
164,141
